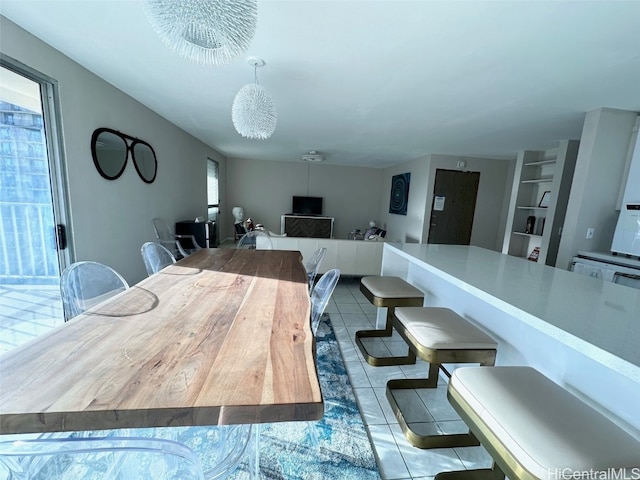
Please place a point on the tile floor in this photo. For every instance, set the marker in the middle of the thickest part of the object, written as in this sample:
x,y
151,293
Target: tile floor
x,y
397,458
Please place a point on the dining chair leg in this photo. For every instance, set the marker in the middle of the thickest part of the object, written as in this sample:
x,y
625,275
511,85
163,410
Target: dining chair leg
x,y
255,471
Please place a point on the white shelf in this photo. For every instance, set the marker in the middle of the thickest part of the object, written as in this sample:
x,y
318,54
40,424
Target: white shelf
x,y
546,161
538,180
537,172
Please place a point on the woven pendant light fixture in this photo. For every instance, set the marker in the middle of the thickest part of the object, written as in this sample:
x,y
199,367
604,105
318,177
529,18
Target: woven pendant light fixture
x,y
254,112
209,32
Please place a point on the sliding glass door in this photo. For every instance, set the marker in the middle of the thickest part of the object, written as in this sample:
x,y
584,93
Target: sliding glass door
x,y
32,210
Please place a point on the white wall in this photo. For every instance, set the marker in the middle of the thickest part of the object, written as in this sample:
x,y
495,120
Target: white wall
x,y
111,219
597,181
265,188
491,204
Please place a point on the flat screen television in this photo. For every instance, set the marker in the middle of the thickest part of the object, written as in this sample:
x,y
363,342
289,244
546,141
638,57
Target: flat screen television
x,y
307,205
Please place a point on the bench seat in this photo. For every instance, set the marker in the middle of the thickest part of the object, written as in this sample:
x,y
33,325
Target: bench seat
x,y
535,429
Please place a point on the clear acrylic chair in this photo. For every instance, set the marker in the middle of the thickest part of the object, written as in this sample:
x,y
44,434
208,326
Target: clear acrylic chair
x,y
249,241
313,265
319,298
178,245
100,457
155,257
85,284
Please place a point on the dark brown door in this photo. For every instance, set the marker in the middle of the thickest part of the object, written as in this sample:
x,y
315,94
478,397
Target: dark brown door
x,y
453,206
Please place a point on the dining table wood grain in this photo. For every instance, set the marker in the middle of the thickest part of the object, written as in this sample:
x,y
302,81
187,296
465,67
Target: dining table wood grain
x,y
221,337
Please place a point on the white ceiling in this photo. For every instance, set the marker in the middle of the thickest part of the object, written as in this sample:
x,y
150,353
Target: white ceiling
x,y
373,83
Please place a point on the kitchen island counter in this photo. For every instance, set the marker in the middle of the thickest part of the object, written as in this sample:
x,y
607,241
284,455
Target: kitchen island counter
x,y
582,332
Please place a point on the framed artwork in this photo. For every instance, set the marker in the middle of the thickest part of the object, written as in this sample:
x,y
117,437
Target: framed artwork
x,y
399,193
545,200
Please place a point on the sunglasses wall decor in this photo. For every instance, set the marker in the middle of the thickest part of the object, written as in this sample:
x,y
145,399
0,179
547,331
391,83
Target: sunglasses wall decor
x,y
110,151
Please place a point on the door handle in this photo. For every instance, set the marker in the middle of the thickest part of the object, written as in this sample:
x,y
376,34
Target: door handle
x,y
61,236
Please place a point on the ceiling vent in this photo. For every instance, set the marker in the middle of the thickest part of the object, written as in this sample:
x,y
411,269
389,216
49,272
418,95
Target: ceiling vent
x,y
313,157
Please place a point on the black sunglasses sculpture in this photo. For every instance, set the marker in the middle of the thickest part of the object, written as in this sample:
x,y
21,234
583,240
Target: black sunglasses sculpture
x,y
110,151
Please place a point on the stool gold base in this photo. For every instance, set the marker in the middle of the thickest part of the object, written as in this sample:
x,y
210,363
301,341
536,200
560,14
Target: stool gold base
x,y
480,474
409,359
425,441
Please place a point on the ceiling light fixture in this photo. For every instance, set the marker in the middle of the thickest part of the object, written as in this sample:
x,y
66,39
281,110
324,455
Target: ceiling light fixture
x,y
210,32
313,157
253,111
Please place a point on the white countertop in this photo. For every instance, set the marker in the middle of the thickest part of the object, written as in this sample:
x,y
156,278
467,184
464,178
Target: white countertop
x,y
601,319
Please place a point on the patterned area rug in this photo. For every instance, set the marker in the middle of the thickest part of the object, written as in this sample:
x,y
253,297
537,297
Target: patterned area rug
x,y
336,447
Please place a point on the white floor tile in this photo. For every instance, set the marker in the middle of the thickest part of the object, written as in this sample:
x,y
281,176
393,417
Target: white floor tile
x,y
357,377
379,376
390,461
426,462
381,394
369,406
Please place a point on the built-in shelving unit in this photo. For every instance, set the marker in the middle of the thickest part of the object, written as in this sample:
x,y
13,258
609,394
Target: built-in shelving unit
x,y
529,224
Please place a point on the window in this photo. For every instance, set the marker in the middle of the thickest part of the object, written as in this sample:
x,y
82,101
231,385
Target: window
x,y
213,195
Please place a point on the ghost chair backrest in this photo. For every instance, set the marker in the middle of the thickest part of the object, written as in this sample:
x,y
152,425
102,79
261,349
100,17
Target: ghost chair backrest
x,y
86,284
313,265
321,294
155,257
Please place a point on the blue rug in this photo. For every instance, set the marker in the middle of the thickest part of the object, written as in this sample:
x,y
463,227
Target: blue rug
x,y
343,451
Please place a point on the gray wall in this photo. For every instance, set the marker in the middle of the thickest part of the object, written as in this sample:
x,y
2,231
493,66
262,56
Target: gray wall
x,y
111,219
264,189
597,181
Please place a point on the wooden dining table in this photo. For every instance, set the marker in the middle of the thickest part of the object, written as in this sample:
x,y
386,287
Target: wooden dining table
x,y
220,337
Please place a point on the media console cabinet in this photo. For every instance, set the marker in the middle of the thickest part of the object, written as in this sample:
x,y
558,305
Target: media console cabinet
x,y
306,226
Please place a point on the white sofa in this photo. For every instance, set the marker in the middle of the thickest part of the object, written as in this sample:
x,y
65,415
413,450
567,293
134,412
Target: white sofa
x,y
352,257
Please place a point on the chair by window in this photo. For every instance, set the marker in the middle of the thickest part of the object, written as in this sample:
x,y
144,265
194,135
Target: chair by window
x,y
155,257
313,265
178,245
85,284
249,241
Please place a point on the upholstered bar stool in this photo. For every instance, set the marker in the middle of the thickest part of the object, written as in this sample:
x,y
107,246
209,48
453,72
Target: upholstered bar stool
x,y
535,429
438,335
389,292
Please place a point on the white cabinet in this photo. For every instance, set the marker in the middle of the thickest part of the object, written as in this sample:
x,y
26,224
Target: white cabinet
x,y
352,257
540,175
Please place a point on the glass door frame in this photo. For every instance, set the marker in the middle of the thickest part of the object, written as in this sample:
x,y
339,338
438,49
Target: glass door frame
x,y
52,121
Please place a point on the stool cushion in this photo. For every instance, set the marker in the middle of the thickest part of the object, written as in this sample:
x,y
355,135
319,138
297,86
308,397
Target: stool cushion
x,y
390,287
548,430
442,328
